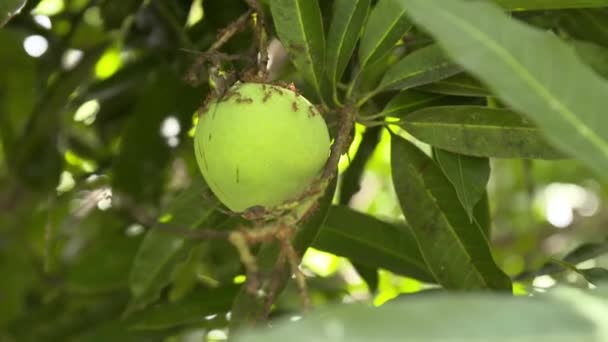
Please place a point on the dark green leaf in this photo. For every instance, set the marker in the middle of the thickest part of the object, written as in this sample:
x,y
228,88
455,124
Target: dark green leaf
x,y
459,85
595,56
533,5
372,242
139,169
103,265
559,316
529,69
369,275
479,131
351,178
10,8
456,250
160,250
595,275
347,23
188,310
420,67
409,101
582,253
386,25
586,24
38,161
300,28
469,176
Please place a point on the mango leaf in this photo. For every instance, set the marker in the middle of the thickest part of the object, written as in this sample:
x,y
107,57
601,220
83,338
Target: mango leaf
x,y
10,8
369,275
347,23
479,131
99,270
596,56
564,315
469,176
582,253
409,101
351,178
372,242
534,5
456,250
426,65
300,29
160,250
386,25
529,69
586,24
459,85
191,309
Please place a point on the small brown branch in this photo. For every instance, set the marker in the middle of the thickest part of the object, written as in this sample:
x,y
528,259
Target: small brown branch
x,y
232,29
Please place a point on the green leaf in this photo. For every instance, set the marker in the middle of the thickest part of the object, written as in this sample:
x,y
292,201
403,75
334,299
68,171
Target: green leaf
x,y
347,23
409,101
351,178
160,250
191,309
595,275
372,242
564,315
582,253
386,25
595,56
479,131
459,85
469,176
10,8
534,5
420,67
586,24
369,275
456,250
529,69
99,270
300,29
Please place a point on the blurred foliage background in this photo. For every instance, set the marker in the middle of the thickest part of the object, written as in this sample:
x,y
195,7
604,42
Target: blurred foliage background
x,y
96,112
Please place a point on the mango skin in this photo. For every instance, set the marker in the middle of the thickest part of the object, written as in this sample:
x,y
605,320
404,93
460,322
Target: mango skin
x,y
260,145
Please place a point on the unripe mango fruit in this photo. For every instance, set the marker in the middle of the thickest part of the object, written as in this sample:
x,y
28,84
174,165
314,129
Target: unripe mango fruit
x,y
260,145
